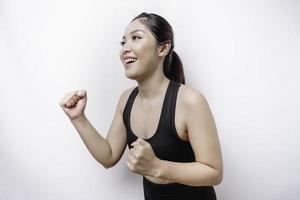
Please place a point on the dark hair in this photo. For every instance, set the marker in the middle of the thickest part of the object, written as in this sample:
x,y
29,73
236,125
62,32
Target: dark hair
x,y
163,32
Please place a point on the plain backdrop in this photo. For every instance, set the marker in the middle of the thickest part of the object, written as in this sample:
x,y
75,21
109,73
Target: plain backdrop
x,y
242,55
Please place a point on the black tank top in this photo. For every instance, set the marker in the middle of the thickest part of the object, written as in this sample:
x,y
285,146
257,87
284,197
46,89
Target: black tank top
x,y
167,145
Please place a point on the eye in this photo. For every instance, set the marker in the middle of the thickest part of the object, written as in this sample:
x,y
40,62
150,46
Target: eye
x,y
122,43
135,37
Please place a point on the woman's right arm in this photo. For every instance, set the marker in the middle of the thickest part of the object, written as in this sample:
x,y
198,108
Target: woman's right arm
x,y
109,150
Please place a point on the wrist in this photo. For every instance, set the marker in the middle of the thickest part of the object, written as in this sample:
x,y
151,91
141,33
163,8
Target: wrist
x,y
162,171
79,118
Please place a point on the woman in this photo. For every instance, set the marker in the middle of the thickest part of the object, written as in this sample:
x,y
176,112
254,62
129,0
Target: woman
x,y
168,126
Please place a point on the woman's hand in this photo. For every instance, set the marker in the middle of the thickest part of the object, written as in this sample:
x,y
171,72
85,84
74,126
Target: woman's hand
x,y
142,160
73,103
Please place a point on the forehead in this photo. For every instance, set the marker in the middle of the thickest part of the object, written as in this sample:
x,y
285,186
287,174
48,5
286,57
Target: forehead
x,y
135,26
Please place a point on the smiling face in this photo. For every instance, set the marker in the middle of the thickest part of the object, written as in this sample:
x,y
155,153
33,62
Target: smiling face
x,y
139,53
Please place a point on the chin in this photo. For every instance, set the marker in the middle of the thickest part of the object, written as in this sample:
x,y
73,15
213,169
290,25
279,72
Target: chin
x,y
134,76
130,75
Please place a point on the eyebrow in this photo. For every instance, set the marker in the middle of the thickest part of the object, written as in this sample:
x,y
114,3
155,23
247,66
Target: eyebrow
x,y
133,32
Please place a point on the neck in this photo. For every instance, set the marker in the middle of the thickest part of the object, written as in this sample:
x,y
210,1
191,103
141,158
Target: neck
x,y
152,87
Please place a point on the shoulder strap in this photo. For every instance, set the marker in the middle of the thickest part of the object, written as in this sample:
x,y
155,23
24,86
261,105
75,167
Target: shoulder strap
x,y
129,105
171,104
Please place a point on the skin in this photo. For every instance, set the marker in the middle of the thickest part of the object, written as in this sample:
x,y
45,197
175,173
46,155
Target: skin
x,y
193,119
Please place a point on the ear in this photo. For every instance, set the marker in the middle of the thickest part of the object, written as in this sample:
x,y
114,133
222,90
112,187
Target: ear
x,y
164,48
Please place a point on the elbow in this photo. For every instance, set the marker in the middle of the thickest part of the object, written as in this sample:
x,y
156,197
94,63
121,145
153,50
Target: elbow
x,y
218,177
108,165
219,180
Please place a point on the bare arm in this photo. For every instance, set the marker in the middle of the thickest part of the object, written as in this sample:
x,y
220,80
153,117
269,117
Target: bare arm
x,y
109,150
203,136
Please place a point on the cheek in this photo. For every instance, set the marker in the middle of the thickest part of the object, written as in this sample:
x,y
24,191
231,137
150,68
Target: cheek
x,y
146,53
120,54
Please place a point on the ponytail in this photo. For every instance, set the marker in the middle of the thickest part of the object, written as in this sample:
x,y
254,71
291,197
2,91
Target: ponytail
x,y
173,68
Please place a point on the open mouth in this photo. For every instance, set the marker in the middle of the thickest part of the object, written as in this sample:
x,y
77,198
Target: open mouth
x,y
130,60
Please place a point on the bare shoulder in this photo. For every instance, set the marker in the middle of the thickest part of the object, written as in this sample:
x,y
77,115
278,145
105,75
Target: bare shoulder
x,y
191,97
124,97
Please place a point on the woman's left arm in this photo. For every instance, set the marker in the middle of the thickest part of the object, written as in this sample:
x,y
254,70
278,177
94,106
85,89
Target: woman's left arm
x,y
207,170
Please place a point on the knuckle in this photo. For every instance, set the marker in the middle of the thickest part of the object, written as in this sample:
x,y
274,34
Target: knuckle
x,y
73,99
134,161
76,98
138,155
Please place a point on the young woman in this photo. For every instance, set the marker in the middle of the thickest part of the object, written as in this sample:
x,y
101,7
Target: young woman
x,y
167,125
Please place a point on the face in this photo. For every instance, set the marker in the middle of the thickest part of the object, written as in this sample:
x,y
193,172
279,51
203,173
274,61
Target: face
x,y
139,53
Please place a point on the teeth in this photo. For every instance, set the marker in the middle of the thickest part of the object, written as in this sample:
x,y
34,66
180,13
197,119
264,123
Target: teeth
x,y
130,60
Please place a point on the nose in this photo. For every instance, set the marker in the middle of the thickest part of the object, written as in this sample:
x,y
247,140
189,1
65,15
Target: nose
x,y
125,51
126,48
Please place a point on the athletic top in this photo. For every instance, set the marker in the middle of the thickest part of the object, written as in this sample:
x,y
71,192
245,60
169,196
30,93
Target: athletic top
x,y
167,145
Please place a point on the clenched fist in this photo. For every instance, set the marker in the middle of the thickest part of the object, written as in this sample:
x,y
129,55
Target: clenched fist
x,y
73,103
141,158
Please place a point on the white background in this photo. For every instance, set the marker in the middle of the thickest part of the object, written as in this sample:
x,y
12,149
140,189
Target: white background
x,y
242,55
